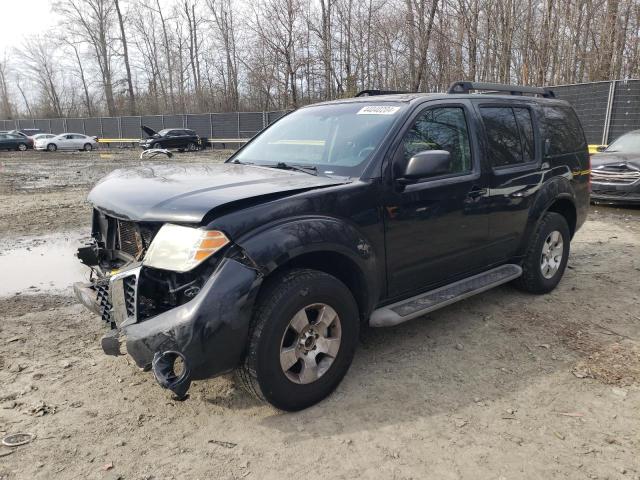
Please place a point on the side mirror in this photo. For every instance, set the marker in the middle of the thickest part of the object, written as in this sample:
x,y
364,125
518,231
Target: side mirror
x,y
428,163
601,148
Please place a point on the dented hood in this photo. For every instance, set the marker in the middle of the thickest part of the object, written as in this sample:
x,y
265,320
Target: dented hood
x,y
187,193
616,159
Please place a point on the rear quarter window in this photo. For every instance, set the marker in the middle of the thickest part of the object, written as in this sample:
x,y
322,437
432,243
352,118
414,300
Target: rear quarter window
x,y
563,130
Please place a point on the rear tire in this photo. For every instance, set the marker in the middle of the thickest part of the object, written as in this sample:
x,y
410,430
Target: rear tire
x,y
52,147
302,339
547,255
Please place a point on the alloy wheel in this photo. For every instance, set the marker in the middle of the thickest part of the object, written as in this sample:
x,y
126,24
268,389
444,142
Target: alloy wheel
x,y
310,343
551,257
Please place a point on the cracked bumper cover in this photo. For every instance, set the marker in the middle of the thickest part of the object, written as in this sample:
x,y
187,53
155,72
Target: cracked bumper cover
x,y
210,330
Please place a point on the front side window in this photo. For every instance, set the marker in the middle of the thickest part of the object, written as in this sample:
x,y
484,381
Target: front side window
x,y
509,133
337,139
440,128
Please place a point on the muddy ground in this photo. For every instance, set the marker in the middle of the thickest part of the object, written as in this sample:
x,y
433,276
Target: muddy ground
x,y
501,386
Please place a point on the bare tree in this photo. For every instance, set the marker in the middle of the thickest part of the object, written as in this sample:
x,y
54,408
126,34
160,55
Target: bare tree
x,y
93,21
125,55
6,107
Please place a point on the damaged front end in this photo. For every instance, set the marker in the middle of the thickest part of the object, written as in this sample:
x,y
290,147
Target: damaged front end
x,y
198,317
616,181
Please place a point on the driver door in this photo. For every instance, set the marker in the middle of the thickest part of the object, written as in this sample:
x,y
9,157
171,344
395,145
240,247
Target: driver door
x,y
436,228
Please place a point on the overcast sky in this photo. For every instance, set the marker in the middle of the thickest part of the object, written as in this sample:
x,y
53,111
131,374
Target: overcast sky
x,y
21,19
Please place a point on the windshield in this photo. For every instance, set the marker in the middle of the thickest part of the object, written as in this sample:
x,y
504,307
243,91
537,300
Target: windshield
x,y
336,139
627,143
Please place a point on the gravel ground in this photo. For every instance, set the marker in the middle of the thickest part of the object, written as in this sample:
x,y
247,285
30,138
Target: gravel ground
x,y
503,385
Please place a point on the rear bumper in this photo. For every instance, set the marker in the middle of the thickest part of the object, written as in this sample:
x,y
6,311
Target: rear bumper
x,y
210,330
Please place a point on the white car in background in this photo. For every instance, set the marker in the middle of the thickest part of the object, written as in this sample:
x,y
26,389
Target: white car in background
x,y
68,141
40,140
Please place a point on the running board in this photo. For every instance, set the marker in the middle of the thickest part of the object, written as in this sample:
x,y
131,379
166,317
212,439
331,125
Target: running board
x,y
424,303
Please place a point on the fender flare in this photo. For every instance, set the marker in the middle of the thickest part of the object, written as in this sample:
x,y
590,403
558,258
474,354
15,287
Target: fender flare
x,y
276,244
556,188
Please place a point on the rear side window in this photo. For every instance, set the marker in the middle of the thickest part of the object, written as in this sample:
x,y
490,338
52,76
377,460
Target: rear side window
x,y
509,135
562,130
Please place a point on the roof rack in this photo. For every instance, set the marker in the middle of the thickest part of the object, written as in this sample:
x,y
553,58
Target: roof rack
x,y
465,87
367,93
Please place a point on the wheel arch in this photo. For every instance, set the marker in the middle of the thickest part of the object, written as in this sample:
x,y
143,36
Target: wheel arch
x,y
556,195
325,244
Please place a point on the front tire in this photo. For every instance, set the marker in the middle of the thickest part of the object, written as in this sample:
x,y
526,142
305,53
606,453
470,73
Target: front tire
x,y
192,147
87,147
547,255
302,339
22,147
52,147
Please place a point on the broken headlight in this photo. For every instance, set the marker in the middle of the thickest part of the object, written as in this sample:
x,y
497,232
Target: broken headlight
x,y
180,248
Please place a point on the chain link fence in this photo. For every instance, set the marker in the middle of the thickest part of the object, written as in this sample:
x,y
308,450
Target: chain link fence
x,y
606,110
236,125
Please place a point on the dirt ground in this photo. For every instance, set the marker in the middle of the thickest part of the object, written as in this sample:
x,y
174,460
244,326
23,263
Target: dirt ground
x,y
501,386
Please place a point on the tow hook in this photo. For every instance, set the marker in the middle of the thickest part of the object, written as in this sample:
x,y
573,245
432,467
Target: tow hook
x,y
163,366
111,343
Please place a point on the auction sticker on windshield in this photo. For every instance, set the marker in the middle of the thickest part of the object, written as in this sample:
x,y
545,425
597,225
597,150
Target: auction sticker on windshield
x,y
378,110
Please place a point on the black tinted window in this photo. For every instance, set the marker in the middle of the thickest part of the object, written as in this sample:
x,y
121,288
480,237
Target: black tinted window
x,y
442,128
563,131
525,126
503,136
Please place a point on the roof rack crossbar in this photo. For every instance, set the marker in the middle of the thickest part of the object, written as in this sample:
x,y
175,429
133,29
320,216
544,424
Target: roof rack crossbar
x,y
465,87
366,93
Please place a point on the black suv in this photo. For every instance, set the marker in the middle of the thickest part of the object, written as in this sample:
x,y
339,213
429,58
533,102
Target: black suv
x,y
176,138
367,211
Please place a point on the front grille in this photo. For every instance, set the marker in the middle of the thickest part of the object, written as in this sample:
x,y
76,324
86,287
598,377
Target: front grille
x,y
129,285
130,238
622,176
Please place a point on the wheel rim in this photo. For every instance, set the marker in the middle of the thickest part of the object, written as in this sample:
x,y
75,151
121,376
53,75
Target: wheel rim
x,y
310,343
87,147
191,147
22,147
551,257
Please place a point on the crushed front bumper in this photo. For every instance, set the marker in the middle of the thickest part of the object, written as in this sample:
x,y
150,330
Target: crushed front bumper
x,y
209,331
628,194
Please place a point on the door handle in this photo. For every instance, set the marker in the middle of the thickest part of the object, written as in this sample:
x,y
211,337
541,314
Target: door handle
x,y
477,192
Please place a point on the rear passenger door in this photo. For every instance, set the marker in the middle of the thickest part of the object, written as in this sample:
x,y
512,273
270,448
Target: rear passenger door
x,y
174,139
512,149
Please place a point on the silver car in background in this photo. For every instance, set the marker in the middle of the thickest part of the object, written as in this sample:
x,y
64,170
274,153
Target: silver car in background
x,y
40,140
67,141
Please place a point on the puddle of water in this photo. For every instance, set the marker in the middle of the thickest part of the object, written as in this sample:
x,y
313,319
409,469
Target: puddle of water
x,y
45,264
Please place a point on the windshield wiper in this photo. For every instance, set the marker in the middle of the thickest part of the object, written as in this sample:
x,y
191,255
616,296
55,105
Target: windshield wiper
x,y
310,169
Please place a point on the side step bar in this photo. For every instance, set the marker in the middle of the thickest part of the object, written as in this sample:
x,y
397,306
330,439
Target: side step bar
x,y
424,303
